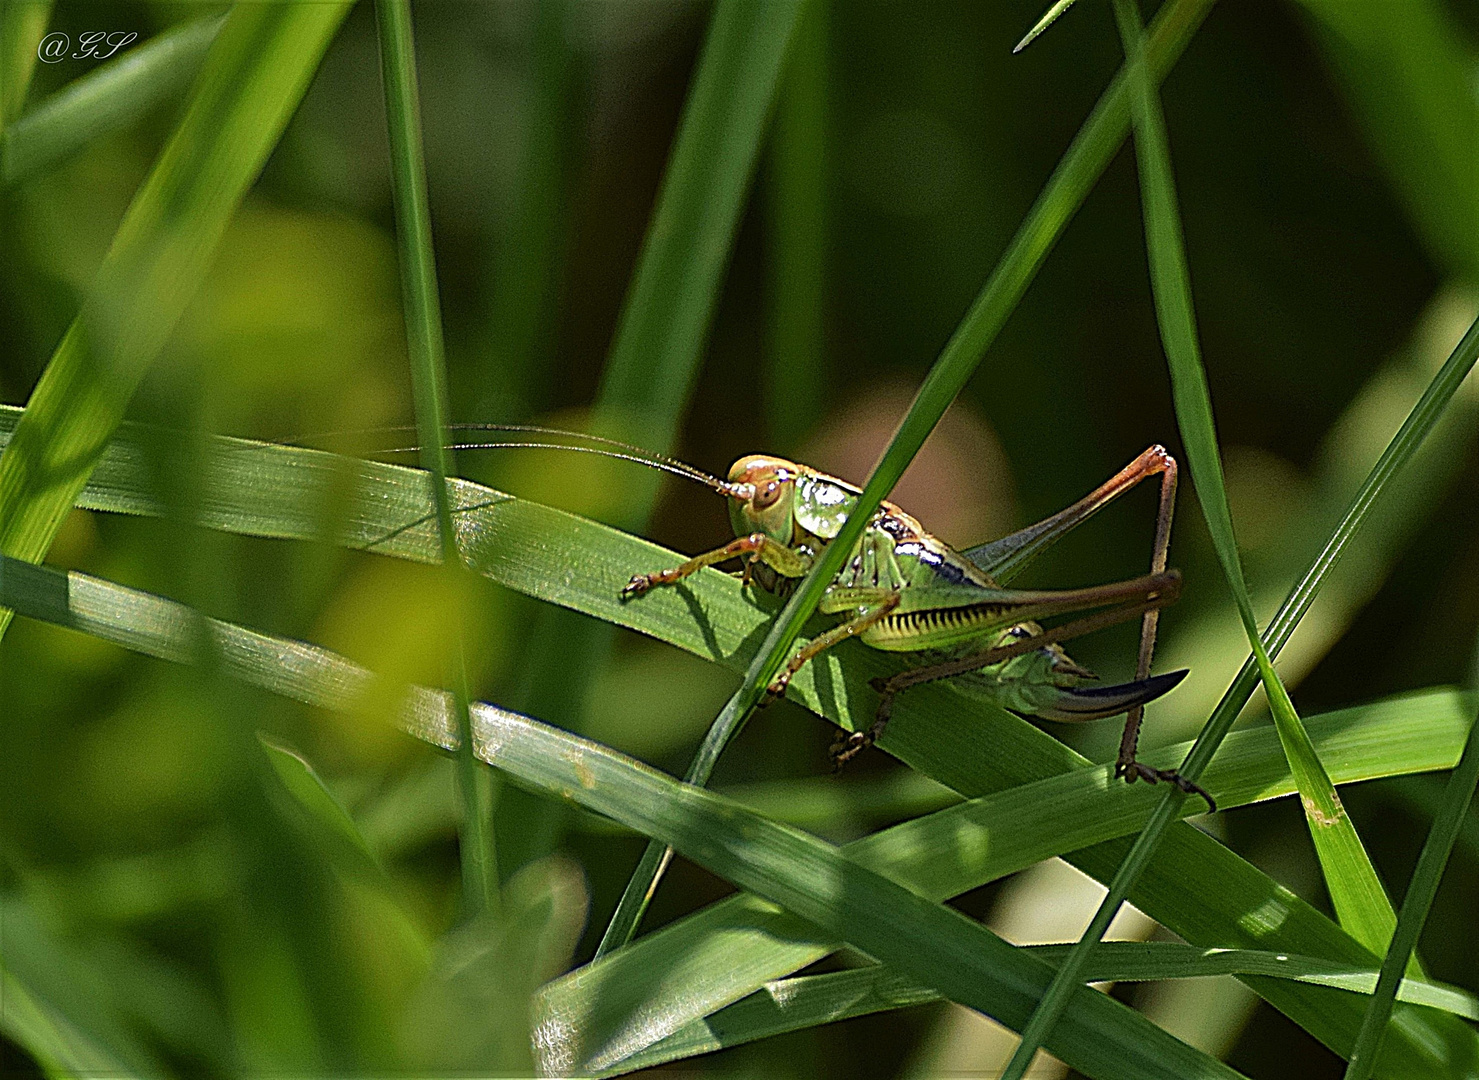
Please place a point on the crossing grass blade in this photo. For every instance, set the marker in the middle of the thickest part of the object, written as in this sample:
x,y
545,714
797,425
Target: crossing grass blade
x,y
809,877
253,78
788,1005
1357,894
1415,905
1077,171
112,96
423,318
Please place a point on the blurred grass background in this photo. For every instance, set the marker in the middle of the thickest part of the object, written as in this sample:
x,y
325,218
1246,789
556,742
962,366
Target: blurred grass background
x,y
1333,251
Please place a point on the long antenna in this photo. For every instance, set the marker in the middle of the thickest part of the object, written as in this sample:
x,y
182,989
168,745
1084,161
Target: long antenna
x,y
625,451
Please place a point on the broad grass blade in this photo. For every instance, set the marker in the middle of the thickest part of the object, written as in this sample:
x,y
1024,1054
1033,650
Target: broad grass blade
x,y
1452,811
1204,892
813,879
810,1000
1197,887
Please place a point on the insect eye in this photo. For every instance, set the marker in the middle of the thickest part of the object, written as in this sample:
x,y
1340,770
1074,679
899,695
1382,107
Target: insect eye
x,y
766,497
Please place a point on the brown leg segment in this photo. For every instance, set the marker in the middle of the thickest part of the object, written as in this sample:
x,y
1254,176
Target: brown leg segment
x,y
852,628
1156,460
755,546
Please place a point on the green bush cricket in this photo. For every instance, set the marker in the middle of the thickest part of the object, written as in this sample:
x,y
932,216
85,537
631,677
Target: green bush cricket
x,y
905,591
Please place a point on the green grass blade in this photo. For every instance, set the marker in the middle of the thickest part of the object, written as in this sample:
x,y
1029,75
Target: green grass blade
x,y
1360,902
429,390
1065,191
110,97
811,878
1415,905
788,1005
1359,899
527,266
253,78
1196,887
613,1007
943,856
1049,17
22,25
331,821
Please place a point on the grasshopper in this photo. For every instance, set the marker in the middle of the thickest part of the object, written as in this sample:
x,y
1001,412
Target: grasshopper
x,y
948,613
905,591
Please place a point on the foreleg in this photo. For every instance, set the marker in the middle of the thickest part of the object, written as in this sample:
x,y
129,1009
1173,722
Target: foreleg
x,y
757,547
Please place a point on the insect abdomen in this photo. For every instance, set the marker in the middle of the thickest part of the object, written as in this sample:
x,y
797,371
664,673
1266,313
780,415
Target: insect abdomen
x,y
910,631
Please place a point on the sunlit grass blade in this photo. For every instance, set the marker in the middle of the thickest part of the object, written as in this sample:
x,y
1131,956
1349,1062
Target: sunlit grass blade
x,y
1355,890
1049,17
1197,888
1454,808
949,853
612,1008
1356,893
423,317
22,23
254,76
810,1000
811,878
109,98
1082,164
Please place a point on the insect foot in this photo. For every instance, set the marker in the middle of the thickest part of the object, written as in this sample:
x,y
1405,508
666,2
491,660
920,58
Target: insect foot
x,y
848,746
639,584
777,689
1134,770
